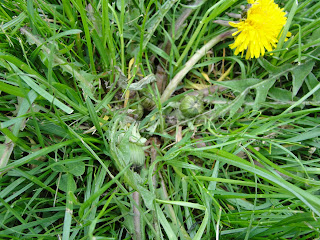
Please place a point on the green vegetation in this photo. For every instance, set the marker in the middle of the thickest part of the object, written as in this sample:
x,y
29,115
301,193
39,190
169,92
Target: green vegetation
x,y
116,126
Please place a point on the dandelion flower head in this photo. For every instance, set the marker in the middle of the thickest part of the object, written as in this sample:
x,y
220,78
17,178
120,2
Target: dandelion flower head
x,y
260,30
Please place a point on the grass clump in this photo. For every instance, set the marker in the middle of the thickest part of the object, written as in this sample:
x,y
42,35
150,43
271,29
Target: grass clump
x,y
134,120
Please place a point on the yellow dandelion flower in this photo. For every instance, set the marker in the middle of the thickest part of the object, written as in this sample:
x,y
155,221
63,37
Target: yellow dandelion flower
x,y
260,30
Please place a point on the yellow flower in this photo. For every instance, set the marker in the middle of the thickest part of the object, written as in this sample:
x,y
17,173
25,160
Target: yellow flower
x,y
261,30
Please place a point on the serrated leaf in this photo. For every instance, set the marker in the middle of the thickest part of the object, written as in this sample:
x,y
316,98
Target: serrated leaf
x,y
312,82
142,83
239,85
270,68
299,74
280,94
147,197
238,103
262,91
274,70
244,86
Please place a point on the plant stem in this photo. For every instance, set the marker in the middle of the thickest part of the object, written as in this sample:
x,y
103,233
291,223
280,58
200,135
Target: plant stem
x,y
136,215
190,63
154,143
276,103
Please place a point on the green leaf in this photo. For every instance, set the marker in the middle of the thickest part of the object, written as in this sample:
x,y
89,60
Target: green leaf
x,y
291,221
181,164
239,85
244,86
315,35
238,103
23,109
35,180
166,226
76,169
97,194
155,20
36,154
147,197
312,82
41,91
185,204
71,187
93,115
40,222
66,183
280,94
310,200
312,134
5,152
7,88
262,92
202,227
51,128
58,167
81,76
299,74
142,83
274,70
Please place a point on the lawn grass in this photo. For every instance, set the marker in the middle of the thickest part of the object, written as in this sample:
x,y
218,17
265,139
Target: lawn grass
x,y
95,142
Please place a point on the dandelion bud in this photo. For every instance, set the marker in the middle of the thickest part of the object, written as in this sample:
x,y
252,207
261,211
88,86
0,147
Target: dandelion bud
x,y
191,106
147,102
137,157
137,111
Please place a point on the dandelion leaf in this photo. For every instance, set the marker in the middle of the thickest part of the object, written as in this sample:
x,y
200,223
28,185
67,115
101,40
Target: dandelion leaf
x,y
279,94
262,92
147,197
299,74
120,152
238,103
275,71
239,85
143,82
244,86
312,82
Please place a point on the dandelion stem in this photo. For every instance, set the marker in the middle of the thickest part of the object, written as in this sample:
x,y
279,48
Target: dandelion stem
x,y
136,215
190,63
